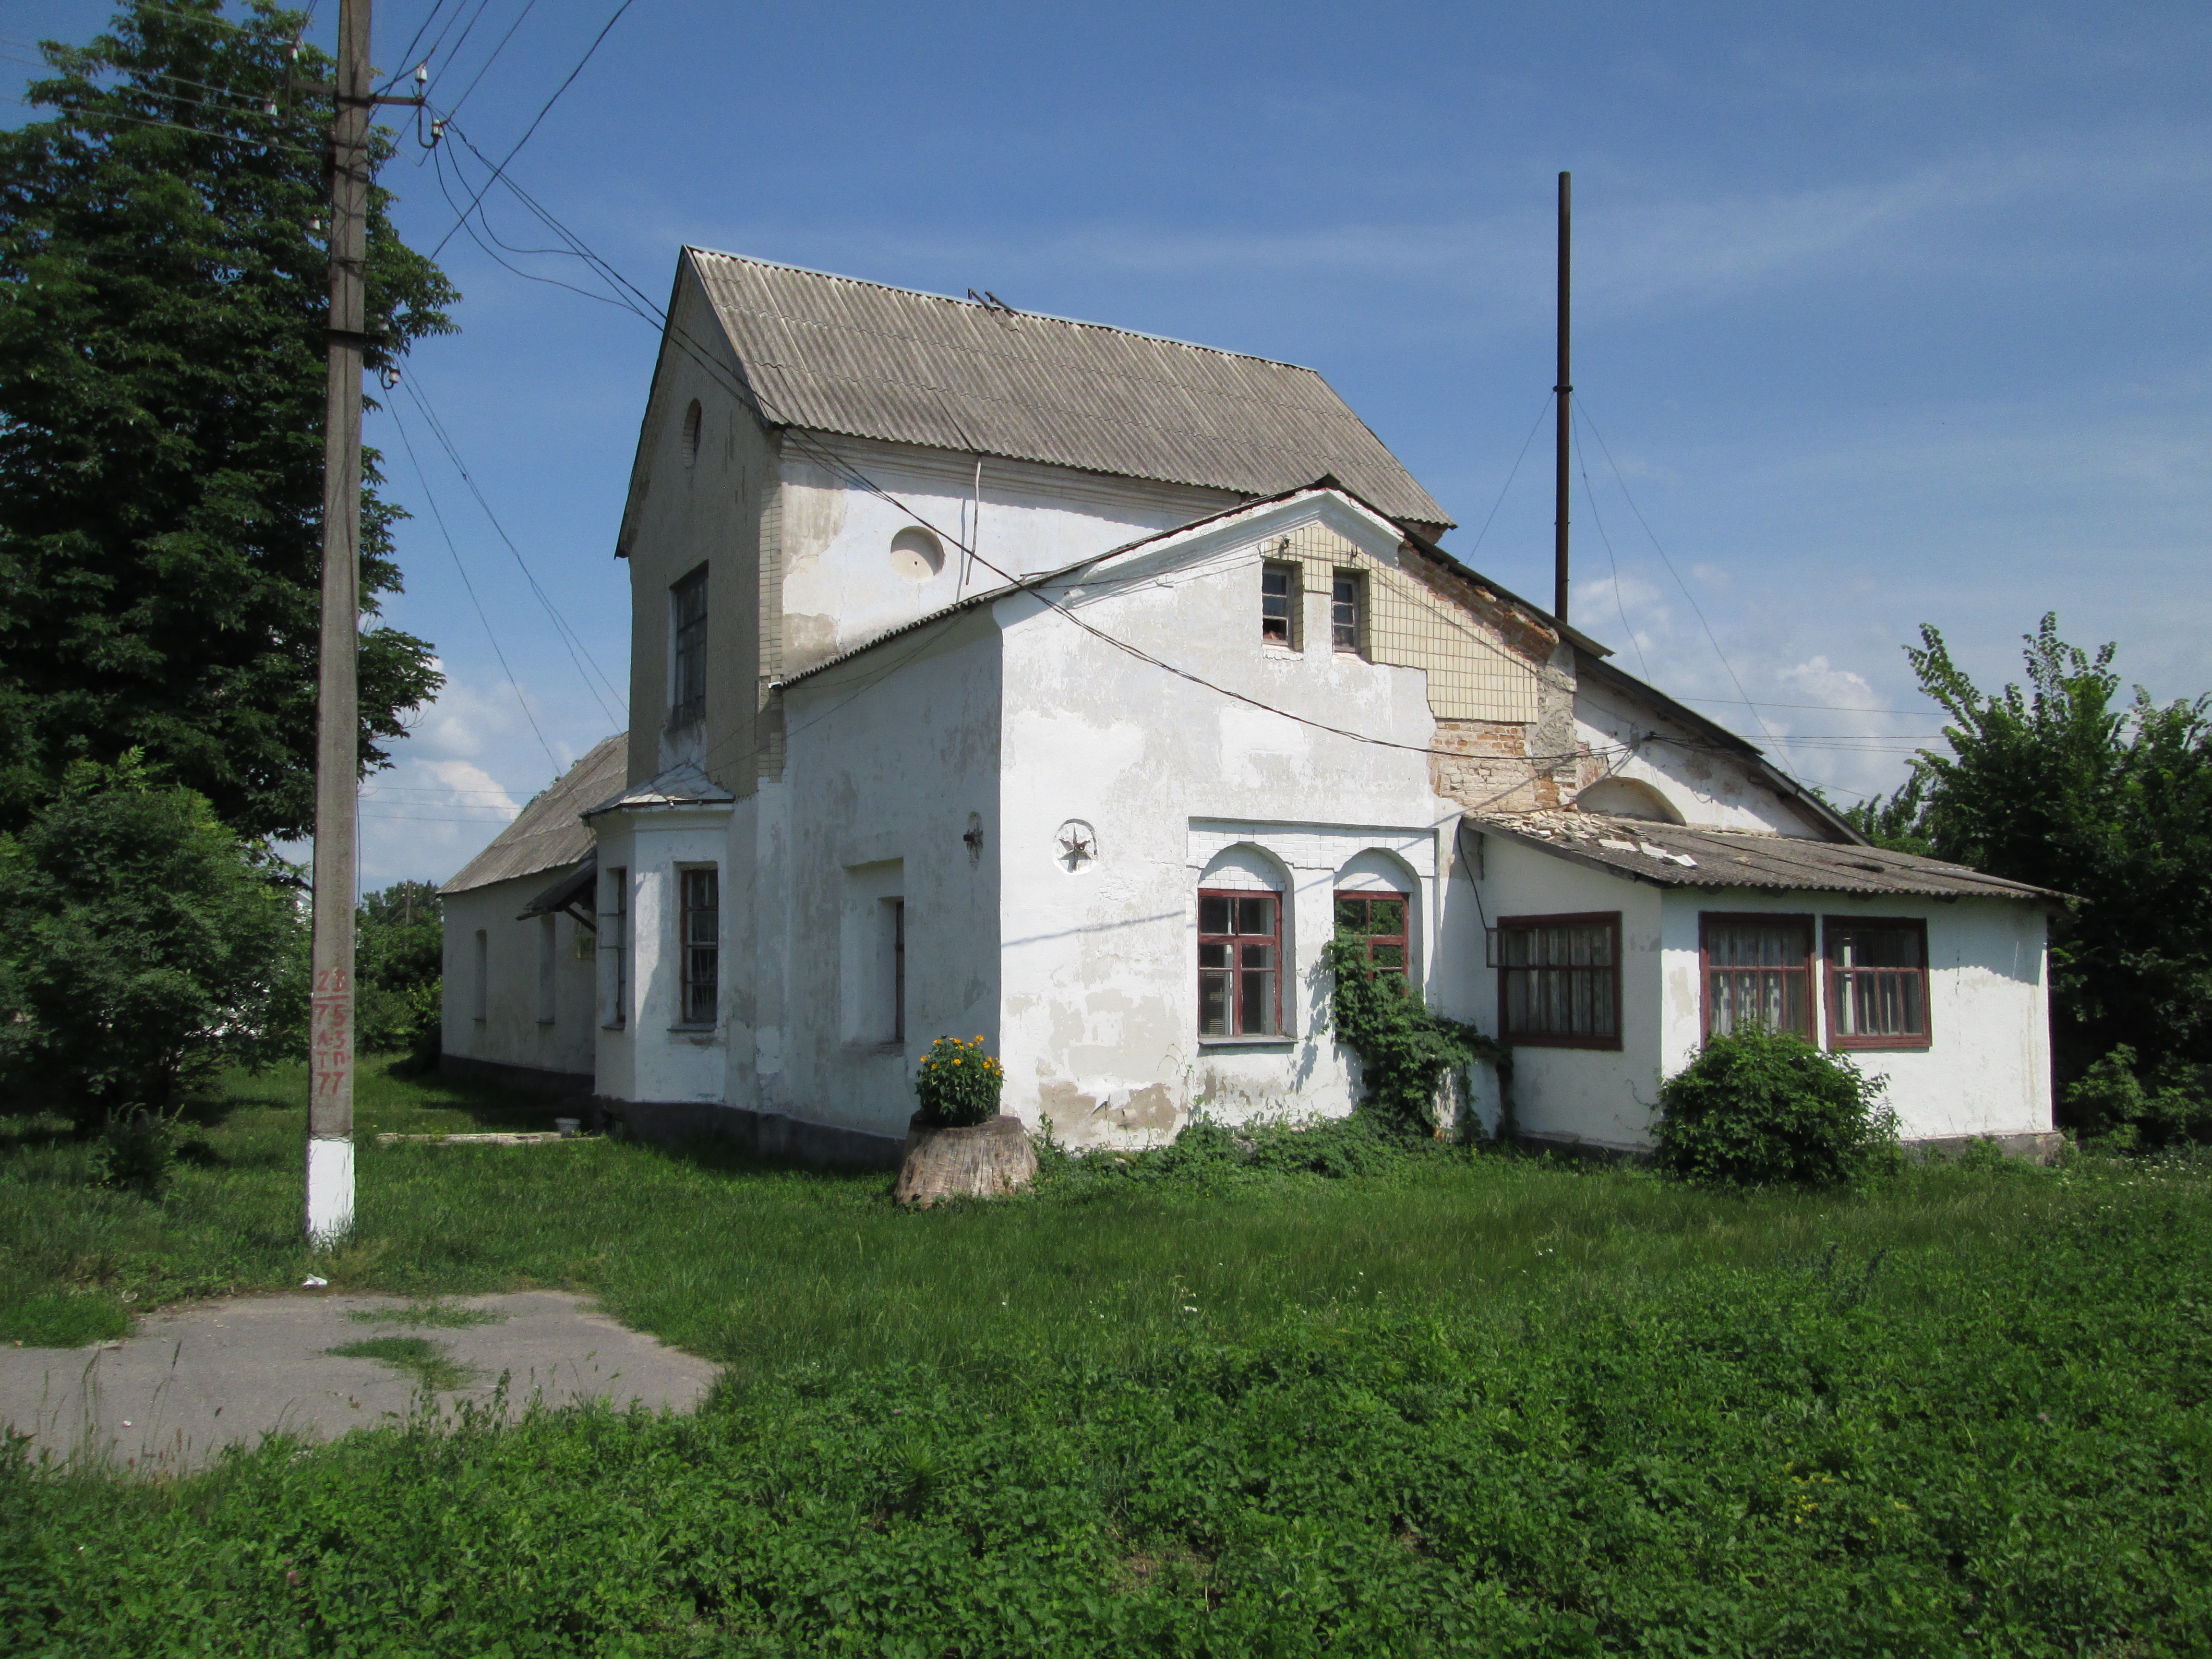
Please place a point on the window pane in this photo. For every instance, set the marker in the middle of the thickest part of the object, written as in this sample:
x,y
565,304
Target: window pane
x,y
1879,947
1255,1013
1344,611
1213,1005
1387,956
1258,956
1213,956
1275,598
1352,915
1255,915
1213,915
1387,917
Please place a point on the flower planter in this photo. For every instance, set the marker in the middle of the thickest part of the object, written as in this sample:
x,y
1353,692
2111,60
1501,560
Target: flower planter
x,y
983,1161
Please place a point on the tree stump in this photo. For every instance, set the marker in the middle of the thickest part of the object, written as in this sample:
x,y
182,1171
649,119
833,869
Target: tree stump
x,y
983,1161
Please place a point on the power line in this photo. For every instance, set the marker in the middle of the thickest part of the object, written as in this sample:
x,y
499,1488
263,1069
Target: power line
x,y
499,171
1620,607
440,518
578,653
528,6
1542,410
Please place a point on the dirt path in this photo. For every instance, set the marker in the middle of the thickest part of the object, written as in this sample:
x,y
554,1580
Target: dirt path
x,y
189,1382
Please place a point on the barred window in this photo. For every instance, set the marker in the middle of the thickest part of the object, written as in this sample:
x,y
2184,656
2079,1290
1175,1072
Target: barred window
x,y
1279,605
1758,971
1240,936
700,923
1877,982
1376,923
1558,980
687,653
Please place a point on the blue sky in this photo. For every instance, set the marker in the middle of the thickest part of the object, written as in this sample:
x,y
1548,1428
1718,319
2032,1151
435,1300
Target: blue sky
x,y
1887,314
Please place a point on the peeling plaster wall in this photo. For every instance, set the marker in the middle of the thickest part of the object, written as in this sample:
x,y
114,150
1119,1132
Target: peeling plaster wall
x,y
1987,1068
839,586
511,1033
1603,1096
1099,1028
1710,786
647,1058
887,773
710,509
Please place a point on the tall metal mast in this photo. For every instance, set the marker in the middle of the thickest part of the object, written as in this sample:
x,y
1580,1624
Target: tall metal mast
x,y
1563,395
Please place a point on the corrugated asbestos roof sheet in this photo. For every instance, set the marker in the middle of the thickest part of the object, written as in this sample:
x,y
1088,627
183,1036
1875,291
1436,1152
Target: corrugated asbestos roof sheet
x,y
548,834
1673,855
835,354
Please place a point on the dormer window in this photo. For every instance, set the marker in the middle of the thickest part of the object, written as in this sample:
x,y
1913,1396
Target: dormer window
x,y
1347,611
687,650
1279,605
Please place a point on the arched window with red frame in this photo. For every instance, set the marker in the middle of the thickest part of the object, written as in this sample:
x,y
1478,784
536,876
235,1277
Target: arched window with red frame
x,y
1380,925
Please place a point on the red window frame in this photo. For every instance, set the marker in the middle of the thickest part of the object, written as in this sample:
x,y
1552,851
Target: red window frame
x,y
1347,611
1913,979
1778,976
1606,923
1361,930
1231,947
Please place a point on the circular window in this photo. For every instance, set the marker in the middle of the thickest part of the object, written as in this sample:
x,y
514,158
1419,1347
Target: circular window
x,y
916,555
691,433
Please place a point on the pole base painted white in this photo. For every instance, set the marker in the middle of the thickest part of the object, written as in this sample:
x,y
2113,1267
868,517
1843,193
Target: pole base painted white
x,y
330,1192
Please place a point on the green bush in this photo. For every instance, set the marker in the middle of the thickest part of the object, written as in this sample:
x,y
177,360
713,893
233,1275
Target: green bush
x,y
1405,1050
137,1152
1759,1106
141,944
2110,1103
958,1084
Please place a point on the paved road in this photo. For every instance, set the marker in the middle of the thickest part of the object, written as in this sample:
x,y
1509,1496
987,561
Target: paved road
x,y
194,1379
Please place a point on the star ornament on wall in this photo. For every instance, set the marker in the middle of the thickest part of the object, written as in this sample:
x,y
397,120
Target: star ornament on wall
x,y
1077,843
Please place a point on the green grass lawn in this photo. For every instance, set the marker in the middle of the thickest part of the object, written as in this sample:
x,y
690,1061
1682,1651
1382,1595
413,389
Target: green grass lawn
x,y
1469,1403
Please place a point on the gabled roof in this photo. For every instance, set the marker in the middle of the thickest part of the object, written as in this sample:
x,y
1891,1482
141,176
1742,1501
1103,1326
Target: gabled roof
x,y
1676,856
550,833
833,354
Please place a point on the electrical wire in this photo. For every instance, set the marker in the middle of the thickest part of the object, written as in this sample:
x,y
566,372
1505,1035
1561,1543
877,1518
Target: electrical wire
x,y
423,478
1620,607
499,171
578,653
1510,477
528,6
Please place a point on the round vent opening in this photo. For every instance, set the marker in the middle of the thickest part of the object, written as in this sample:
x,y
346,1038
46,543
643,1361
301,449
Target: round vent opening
x,y
916,555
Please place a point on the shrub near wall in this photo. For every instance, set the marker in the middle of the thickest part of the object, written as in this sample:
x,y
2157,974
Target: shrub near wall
x,y
1760,1107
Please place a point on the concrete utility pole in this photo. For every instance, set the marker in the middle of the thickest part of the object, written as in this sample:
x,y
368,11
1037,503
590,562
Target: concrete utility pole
x,y
337,719
1563,394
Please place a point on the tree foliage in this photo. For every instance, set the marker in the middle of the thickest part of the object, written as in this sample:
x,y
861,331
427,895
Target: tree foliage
x,y
163,297
1406,1050
141,944
399,944
2065,784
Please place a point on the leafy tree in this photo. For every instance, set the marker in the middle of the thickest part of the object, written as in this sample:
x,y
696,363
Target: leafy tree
x,y
163,295
2066,785
398,966
141,942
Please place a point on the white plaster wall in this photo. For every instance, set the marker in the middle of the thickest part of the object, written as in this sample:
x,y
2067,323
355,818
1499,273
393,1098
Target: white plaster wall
x,y
1600,1096
1987,1068
647,1059
839,587
1100,1012
893,758
1710,787
511,1033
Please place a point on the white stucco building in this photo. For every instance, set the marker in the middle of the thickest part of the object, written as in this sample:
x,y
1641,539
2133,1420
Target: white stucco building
x,y
996,674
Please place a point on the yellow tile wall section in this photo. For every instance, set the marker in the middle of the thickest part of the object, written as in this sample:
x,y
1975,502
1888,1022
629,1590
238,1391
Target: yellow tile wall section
x,y
1472,676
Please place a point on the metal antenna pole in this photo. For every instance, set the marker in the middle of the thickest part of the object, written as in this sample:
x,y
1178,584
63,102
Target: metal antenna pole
x,y
1563,393
337,722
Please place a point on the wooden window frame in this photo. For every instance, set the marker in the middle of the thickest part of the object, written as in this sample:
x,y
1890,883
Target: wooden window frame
x,y
1830,926
1293,599
1806,924
689,951
1358,579
1609,919
1403,939
1236,971
687,650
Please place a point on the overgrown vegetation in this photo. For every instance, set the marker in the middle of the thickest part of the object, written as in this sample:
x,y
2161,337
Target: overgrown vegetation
x,y
400,942
1472,1404
2066,785
1756,1107
141,944
1406,1050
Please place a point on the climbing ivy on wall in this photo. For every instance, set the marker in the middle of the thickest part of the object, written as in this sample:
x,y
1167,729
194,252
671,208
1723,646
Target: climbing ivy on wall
x,y
1406,1049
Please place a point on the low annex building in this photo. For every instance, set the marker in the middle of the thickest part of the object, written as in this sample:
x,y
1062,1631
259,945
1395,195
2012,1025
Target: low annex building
x,y
995,673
